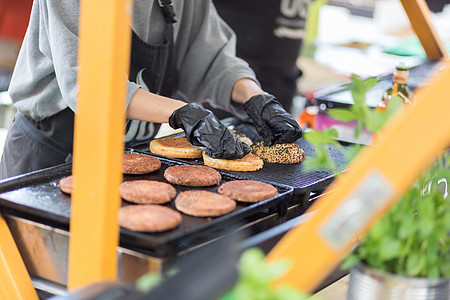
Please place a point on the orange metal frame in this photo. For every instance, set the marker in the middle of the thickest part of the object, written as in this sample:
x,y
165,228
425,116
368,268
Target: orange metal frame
x,y
419,17
15,283
104,47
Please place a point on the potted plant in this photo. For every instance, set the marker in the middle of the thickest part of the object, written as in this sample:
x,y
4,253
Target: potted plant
x,y
406,254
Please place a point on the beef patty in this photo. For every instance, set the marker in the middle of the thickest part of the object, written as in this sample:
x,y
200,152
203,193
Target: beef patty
x,y
248,190
66,184
148,218
204,204
134,163
192,175
147,191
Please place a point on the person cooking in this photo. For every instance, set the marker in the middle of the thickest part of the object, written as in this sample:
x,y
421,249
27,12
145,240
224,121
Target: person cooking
x,y
181,52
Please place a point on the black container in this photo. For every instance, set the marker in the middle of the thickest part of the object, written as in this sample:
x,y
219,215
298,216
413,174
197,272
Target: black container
x,y
37,196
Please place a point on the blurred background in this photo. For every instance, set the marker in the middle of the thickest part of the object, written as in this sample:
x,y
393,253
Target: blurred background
x,y
342,38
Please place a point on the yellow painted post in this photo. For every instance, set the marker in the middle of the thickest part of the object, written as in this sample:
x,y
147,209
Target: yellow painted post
x,y
15,283
104,52
375,180
419,17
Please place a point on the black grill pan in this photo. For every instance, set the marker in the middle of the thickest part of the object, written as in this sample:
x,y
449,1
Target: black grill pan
x,y
292,175
38,195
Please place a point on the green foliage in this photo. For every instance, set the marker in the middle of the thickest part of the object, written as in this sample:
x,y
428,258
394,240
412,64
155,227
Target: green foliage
x,y
254,282
370,119
148,281
321,140
413,238
256,276
365,116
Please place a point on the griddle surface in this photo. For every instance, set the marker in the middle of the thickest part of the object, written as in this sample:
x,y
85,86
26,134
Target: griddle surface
x,y
38,194
292,175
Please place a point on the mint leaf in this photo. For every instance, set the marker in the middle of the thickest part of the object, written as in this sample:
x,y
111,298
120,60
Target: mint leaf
x,y
327,136
350,261
343,114
359,88
148,281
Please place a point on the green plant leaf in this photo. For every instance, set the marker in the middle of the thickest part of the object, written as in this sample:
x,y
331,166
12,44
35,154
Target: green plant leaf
x,y
343,114
327,136
359,87
277,269
255,276
415,262
389,248
148,281
320,161
407,227
358,129
350,261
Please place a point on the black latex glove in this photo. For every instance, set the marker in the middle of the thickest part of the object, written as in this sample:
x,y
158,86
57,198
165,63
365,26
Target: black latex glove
x,y
273,123
202,128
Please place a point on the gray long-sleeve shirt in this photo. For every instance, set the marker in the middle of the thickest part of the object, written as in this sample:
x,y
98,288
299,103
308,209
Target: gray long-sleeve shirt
x,y
44,78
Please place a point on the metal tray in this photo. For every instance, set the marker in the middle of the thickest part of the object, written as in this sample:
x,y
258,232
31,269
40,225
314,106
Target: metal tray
x,y
37,194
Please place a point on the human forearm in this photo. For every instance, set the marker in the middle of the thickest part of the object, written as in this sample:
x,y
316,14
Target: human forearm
x,y
244,89
150,107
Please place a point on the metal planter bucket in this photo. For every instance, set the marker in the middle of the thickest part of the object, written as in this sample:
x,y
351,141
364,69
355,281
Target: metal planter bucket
x,y
369,284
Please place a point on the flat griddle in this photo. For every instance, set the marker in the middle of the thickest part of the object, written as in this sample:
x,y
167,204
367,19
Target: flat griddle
x,y
38,195
292,175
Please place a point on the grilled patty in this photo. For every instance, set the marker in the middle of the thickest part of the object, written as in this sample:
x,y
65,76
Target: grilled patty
x,y
192,175
66,184
148,218
147,191
204,204
248,190
134,163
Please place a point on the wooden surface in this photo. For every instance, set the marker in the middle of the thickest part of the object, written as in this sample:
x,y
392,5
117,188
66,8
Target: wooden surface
x,y
335,291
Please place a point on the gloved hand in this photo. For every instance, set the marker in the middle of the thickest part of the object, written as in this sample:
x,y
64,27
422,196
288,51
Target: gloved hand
x,y
202,128
273,123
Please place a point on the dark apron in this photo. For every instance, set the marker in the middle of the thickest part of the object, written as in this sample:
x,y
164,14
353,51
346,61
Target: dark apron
x,y
32,145
275,67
